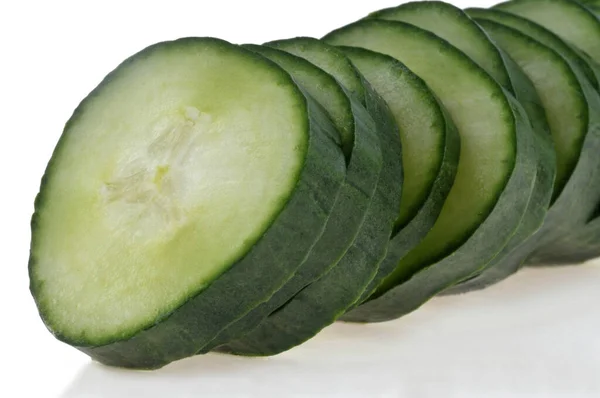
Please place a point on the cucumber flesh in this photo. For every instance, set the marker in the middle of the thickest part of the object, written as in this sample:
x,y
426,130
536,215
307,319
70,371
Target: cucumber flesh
x,y
570,20
575,206
418,114
499,129
453,25
420,117
350,210
324,301
125,264
539,33
328,59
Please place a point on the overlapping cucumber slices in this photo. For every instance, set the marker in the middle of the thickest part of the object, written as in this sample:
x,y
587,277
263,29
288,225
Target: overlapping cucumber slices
x,y
211,196
186,190
496,170
423,129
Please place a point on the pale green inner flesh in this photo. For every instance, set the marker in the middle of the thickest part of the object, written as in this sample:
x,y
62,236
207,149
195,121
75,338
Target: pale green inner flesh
x,y
421,124
537,32
168,175
559,92
452,25
326,58
484,121
565,18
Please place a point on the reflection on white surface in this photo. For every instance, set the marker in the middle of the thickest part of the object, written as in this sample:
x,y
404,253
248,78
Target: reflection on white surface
x,y
535,335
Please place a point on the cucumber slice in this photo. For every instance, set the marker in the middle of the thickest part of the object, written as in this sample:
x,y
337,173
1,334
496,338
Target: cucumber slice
x,y
324,301
146,239
425,127
453,25
583,72
497,164
350,210
570,20
537,32
569,216
328,59
421,120
565,103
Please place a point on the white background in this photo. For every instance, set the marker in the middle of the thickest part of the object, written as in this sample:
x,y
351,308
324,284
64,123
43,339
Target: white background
x,y
536,335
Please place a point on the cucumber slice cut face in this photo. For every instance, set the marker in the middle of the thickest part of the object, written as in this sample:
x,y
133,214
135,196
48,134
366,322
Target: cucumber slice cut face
x,y
418,114
326,57
572,21
349,213
143,227
564,101
497,160
453,25
537,32
425,127
576,204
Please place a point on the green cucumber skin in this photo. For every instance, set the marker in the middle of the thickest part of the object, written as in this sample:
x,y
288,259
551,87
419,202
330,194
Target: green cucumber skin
x,y
592,5
403,13
315,51
476,252
479,248
408,236
512,78
324,301
199,319
539,33
577,202
569,215
569,251
524,242
184,332
347,216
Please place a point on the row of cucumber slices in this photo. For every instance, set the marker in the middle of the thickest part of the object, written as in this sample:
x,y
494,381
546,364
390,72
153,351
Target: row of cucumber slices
x,y
240,198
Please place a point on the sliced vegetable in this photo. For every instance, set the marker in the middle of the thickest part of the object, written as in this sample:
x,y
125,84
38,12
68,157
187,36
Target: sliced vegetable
x,y
570,20
453,25
421,119
351,210
486,203
425,127
542,63
570,214
169,205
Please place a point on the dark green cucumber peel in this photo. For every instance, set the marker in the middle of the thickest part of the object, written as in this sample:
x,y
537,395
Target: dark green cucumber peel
x,y
524,242
583,72
195,322
349,212
453,25
328,59
478,249
560,16
592,5
576,204
407,235
536,32
325,300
